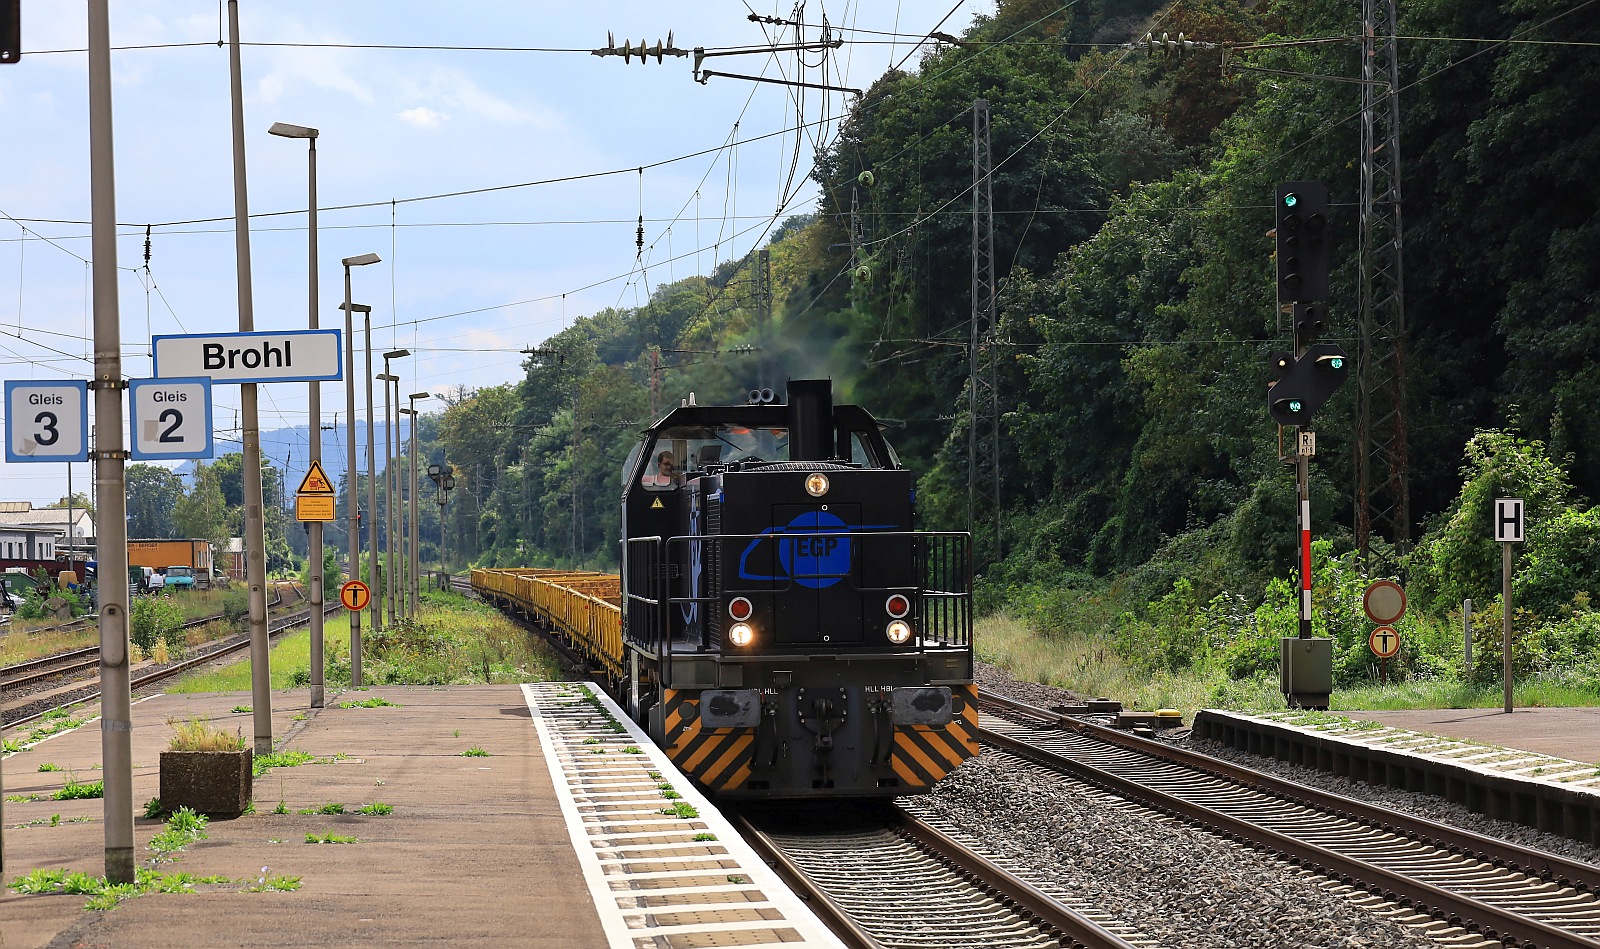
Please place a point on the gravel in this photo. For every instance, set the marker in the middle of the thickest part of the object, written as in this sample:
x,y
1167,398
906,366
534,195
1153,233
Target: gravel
x,y
1180,885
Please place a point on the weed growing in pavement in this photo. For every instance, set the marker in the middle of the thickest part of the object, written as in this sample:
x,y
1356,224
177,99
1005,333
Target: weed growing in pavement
x,y
329,839
184,827
474,752
668,793
24,798
371,703
81,790
54,722
587,741
632,750
682,809
597,751
278,883
282,808
702,836
47,766
655,775
736,879
329,808
249,808
10,746
377,808
299,718
241,708
456,733
260,764
153,809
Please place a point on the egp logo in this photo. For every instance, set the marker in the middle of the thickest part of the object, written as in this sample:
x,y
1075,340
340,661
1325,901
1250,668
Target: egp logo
x,y
811,561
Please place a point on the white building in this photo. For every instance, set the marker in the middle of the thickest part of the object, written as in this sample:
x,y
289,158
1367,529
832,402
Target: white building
x,y
22,543
75,525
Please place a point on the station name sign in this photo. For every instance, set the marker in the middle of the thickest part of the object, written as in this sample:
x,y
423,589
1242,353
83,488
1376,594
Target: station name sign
x,y
288,356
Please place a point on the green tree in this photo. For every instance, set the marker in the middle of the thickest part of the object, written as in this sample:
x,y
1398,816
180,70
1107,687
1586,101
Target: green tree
x,y
153,496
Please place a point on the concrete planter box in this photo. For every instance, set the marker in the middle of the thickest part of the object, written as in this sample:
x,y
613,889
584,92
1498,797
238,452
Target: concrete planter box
x,y
216,783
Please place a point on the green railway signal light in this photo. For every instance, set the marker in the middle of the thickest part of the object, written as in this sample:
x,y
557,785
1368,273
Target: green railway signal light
x,y
1305,384
1303,253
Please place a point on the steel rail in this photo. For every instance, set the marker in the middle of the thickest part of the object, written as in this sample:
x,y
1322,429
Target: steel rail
x,y
1459,910
834,916
157,675
1546,866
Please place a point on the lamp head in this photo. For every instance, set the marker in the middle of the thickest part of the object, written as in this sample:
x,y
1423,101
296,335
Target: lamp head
x,y
384,376
405,411
396,354
420,395
362,260
285,130
356,307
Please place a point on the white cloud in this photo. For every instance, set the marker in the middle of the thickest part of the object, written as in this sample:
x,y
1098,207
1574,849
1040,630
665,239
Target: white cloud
x,y
423,117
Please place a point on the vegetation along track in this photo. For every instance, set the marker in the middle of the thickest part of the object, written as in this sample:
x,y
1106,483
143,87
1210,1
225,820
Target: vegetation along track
x,y
1501,890
883,879
24,674
141,680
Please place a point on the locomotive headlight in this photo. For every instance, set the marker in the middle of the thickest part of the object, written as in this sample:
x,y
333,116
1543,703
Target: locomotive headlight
x,y
816,484
898,631
742,634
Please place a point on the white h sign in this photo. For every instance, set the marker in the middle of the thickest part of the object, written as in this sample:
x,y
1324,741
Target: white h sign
x,y
1508,520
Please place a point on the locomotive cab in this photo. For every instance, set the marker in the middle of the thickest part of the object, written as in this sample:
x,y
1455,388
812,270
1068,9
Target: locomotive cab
x,y
789,633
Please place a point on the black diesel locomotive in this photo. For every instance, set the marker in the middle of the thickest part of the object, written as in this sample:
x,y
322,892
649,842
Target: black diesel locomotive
x,y
785,630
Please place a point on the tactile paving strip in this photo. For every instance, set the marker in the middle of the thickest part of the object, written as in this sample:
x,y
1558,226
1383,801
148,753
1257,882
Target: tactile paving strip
x,y
665,869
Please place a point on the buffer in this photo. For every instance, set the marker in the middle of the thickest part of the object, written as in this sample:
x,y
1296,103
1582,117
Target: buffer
x,y
316,481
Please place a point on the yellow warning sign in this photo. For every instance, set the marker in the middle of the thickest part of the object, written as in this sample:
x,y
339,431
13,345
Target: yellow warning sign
x,y
316,481
656,504
314,507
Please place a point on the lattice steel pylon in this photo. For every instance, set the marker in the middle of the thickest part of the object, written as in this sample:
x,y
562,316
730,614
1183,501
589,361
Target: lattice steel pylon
x,y
983,394
1383,503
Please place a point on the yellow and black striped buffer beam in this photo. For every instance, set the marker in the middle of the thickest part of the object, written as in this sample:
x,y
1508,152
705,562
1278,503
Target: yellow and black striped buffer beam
x,y
924,754
718,758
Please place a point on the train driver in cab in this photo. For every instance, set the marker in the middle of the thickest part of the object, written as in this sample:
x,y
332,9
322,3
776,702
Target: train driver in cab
x,y
666,473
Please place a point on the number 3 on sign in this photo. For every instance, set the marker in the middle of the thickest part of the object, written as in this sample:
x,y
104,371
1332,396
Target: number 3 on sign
x,y
47,420
170,418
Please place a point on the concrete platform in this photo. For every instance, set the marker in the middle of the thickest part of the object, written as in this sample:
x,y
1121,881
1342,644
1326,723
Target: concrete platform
x,y
1533,766
1569,733
541,843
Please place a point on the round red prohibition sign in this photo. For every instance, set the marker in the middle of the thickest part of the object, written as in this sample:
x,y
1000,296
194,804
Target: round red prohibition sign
x,y
355,595
1384,642
1384,602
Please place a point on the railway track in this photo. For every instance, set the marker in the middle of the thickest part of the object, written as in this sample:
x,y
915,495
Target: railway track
x,y
142,680
1469,883
24,674
883,879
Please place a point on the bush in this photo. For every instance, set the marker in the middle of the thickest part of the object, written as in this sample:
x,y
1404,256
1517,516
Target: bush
x,y
236,608
155,619
198,734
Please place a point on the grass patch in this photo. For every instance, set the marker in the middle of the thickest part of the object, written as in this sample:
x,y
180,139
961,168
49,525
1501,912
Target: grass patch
x,y
289,660
261,764
241,708
377,809
329,808
274,884
184,827
682,809
329,839
81,791
198,734
474,752
371,703
702,836
47,766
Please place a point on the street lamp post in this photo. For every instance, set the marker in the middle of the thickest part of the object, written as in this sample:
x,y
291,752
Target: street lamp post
x,y
354,497
391,479
314,408
373,575
388,494
415,397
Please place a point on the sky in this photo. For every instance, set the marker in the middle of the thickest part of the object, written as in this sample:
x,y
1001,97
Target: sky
x,y
467,280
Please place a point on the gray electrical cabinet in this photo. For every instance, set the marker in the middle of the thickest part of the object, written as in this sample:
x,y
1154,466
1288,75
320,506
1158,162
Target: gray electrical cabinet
x,y
1305,671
